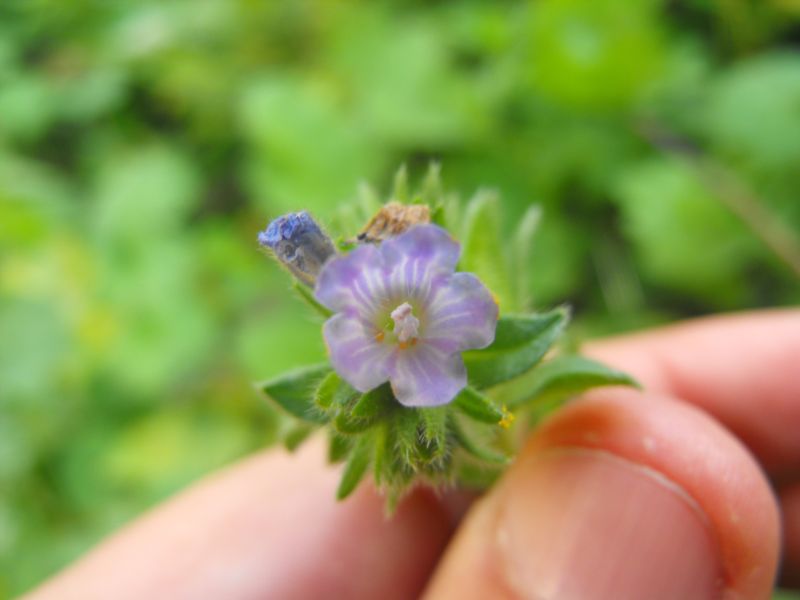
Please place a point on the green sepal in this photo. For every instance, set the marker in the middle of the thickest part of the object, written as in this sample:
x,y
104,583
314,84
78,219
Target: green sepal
x,y
476,450
434,432
374,403
382,455
477,475
346,424
566,376
478,406
356,467
520,343
297,435
339,447
326,390
307,295
434,425
405,426
356,412
483,250
294,392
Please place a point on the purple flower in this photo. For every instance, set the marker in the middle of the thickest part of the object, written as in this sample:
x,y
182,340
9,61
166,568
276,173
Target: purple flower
x,y
404,316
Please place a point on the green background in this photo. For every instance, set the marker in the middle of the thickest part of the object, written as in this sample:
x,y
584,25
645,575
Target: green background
x,y
144,144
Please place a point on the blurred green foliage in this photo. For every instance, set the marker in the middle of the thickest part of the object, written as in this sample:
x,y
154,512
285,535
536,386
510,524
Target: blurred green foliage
x,y
143,144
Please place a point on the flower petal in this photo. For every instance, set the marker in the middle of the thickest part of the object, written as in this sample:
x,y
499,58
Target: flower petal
x,y
462,315
423,376
355,354
413,258
353,282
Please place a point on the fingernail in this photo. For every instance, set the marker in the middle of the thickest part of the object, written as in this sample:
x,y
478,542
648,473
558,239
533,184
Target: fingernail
x,y
587,525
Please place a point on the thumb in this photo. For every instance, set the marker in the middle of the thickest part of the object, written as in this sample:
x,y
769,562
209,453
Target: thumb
x,y
620,497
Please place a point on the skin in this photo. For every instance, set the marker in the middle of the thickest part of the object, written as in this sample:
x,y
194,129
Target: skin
x,y
678,487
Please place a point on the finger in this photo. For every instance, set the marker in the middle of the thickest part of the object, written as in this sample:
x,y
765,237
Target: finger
x,y
620,497
267,526
743,369
790,507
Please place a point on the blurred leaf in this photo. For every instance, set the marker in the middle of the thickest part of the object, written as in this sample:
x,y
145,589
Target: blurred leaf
x,y
595,54
27,106
306,153
753,113
144,193
685,239
412,94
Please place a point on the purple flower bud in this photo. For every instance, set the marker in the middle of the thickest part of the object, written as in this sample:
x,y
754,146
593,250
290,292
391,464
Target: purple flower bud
x,y
404,315
299,243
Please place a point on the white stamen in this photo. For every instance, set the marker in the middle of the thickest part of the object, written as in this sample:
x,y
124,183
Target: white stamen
x,y
406,325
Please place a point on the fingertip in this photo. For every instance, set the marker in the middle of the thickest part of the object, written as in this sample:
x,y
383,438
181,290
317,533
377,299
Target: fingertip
x,y
621,495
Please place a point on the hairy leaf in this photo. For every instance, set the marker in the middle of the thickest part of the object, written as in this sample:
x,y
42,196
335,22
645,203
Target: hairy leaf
x,y
477,450
294,392
565,376
520,342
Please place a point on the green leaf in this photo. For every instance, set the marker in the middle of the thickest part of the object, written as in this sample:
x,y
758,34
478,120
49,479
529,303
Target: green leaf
x,y
477,406
307,295
520,342
566,376
356,467
483,252
294,392
662,200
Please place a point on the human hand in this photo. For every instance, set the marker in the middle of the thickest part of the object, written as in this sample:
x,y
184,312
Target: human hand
x,y
620,495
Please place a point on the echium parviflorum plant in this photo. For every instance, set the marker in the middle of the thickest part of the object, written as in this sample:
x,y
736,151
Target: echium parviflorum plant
x,y
435,370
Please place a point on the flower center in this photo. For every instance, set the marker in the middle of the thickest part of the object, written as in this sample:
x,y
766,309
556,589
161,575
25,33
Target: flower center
x,y
406,325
